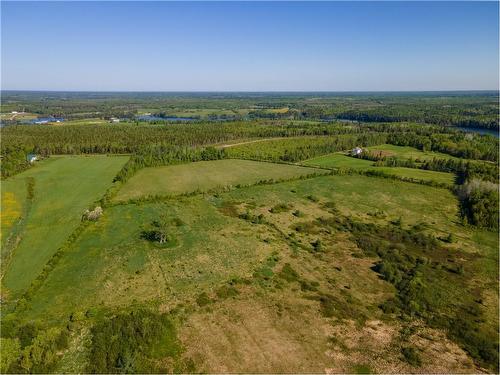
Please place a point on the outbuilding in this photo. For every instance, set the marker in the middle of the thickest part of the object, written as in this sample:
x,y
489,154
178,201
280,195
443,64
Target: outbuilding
x,y
356,151
31,158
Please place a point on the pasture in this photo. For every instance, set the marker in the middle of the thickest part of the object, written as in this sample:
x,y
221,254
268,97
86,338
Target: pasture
x,y
221,267
340,160
212,245
111,264
407,152
63,188
205,175
419,174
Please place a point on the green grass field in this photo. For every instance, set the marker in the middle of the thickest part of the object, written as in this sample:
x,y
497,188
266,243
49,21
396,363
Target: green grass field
x,y
359,196
407,152
112,265
64,188
238,267
205,175
419,174
87,121
339,160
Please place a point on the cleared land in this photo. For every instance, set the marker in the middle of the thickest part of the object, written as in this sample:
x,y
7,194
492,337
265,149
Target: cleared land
x,y
63,188
407,152
339,160
419,174
205,175
211,245
250,290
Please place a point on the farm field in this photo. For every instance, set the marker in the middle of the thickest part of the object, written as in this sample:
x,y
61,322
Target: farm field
x,y
112,265
205,175
88,121
406,152
59,199
419,174
339,160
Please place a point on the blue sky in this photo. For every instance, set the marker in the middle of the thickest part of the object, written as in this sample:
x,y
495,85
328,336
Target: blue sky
x,y
240,46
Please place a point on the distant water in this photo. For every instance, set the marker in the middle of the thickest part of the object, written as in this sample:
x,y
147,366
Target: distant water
x,y
492,132
159,118
44,120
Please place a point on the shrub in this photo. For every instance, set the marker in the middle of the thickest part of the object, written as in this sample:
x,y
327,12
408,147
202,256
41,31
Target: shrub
x,y
317,246
203,299
313,198
281,207
288,273
93,215
411,356
127,342
227,291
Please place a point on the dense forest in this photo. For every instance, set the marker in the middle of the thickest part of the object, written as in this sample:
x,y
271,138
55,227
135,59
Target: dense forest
x,y
17,141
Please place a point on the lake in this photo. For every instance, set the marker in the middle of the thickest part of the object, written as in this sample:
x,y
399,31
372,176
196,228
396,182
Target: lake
x,y
492,132
160,118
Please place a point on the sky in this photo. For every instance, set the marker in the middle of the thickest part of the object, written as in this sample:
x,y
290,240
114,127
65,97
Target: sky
x,y
243,46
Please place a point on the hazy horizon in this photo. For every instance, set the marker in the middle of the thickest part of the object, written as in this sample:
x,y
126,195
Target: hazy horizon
x,y
250,47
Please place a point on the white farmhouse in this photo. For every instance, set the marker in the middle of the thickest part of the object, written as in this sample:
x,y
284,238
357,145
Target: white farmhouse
x,y
356,151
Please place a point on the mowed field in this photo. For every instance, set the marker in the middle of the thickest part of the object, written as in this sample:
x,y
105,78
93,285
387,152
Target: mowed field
x,y
205,175
63,188
339,160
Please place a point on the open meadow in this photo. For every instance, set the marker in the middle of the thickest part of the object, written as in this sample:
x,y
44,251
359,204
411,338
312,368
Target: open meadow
x,y
271,249
205,175
340,160
58,197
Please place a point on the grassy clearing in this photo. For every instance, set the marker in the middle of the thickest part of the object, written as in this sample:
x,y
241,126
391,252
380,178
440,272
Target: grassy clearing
x,y
419,174
339,160
63,188
261,287
407,152
87,121
205,175
362,197
113,265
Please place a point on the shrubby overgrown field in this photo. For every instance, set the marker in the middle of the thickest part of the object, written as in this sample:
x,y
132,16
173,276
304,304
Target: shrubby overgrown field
x,y
251,236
